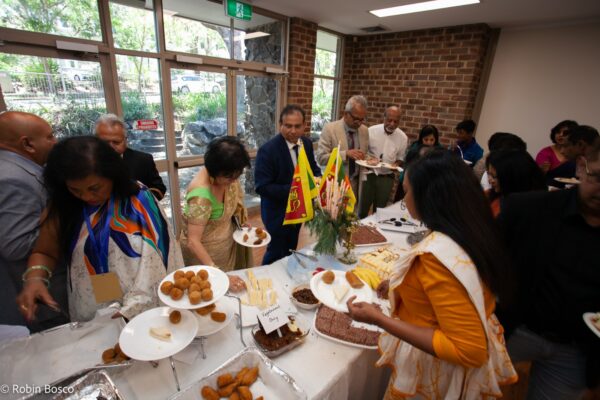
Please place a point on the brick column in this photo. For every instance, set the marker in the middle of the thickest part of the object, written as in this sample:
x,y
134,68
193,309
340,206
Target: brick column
x,y
433,74
303,43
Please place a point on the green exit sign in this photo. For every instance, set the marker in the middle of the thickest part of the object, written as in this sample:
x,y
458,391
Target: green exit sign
x,y
239,10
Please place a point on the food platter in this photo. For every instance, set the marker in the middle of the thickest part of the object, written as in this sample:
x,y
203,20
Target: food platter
x,y
219,286
365,164
137,343
251,237
325,292
207,326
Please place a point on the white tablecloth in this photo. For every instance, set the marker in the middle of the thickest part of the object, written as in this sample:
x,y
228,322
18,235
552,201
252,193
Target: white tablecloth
x,y
323,368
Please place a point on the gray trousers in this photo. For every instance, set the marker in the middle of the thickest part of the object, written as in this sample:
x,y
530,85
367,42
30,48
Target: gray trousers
x,y
557,370
375,192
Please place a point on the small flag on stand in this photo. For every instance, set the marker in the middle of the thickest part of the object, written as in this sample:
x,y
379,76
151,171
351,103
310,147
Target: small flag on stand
x,y
299,207
335,185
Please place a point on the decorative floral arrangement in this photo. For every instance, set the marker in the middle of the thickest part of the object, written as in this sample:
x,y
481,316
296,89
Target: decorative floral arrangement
x,y
332,222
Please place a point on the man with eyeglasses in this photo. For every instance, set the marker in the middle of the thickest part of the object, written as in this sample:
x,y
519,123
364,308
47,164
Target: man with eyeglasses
x,y
113,131
25,142
352,135
553,238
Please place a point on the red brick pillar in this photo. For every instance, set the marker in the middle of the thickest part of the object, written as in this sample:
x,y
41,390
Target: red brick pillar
x,y
303,43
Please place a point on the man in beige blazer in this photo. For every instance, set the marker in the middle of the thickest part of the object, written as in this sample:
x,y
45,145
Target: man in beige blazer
x,y
352,136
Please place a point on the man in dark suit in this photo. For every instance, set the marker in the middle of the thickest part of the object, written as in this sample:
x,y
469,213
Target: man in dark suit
x,y
113,131
275,164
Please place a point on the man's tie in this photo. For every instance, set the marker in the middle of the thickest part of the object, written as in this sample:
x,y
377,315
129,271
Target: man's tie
x,y
295,147
351,162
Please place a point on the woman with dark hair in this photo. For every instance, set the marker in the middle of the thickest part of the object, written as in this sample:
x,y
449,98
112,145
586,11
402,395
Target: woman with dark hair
x,y
214,197
109,229
428,137
551,157
442,338
511,171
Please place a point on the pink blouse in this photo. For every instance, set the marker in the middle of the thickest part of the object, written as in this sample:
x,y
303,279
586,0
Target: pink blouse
x,y
547,155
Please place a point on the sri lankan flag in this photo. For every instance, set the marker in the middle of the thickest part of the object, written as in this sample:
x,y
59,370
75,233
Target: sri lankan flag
x,y
341,177
299,207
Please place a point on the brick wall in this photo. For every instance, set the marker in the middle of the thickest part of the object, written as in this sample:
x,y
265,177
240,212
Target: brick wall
x,y
432,74
303,42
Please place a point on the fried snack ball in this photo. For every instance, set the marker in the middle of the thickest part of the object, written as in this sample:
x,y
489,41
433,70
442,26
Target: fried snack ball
x,y
175,317
234,396
209,393
328,277
108,355
204,285
178,275
176,293
249,377
353,280
195,297
203,274
166,287
259,231
245,237
205,310
182,283
261,235
224,380
257,242
196,279
218,316
189,275
245,393
259,398
194,287
227,390
207,294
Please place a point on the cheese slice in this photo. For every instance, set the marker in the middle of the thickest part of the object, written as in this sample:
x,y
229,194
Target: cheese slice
x,y
340,292
161,333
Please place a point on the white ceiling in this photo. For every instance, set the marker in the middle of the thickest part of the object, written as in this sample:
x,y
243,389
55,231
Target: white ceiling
x,y
348,16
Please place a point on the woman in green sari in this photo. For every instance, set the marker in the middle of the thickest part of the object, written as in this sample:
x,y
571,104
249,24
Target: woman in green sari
x,y
213,199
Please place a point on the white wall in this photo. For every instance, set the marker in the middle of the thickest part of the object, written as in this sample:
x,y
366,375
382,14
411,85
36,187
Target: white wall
x,y
539,77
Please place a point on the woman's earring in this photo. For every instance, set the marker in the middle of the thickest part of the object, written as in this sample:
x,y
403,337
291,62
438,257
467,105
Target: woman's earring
x,y
211,180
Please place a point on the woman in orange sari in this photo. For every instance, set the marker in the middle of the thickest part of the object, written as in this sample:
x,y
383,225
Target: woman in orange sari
x,y
442,339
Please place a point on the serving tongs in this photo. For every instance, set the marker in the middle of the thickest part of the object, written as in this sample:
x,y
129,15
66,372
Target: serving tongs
x,y
309,256
398,222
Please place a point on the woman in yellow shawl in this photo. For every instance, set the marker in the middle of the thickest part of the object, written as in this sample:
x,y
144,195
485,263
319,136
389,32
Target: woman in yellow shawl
x,y
214,198
442,339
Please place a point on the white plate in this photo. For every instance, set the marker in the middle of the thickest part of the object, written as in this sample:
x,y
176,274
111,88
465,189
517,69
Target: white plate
x,y
238,236
136,342
206,325
587,317
340,341
365,164
324,291
568,181
219,283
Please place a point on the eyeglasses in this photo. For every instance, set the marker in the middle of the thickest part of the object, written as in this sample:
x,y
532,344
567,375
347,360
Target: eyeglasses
x,y
356,119
594,175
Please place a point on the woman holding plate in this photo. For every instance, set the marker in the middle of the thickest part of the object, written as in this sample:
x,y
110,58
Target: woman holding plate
x,y
443,291
214,198
110,230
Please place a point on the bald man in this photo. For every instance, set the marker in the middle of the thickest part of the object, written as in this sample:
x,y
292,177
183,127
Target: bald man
x,y
25,142
387,143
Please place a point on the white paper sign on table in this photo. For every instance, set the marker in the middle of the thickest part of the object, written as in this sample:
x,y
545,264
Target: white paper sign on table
x,y
272,318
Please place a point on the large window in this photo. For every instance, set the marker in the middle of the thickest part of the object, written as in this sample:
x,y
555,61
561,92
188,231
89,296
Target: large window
x,y
133,27
67,93
178,78
326,84
72,18
139,86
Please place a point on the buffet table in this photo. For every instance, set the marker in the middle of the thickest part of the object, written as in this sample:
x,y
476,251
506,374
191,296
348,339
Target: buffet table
x,y
323,368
